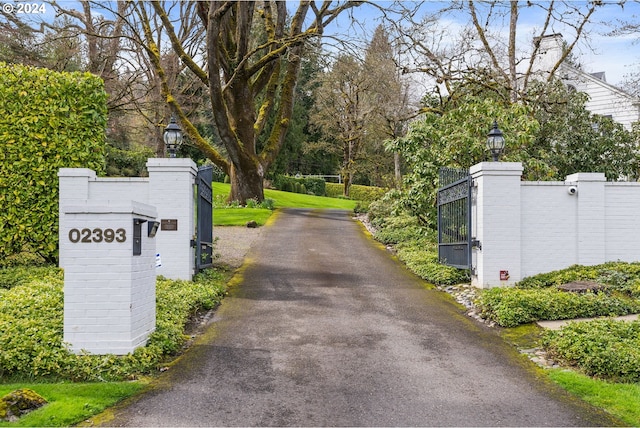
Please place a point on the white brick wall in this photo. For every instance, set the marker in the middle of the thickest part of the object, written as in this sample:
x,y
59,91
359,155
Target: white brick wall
x,y
109,304
549,227
169,188
534,227
622,221
497,222
109,294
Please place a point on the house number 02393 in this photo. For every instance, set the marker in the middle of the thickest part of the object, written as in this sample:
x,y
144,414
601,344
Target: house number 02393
x,y
97,235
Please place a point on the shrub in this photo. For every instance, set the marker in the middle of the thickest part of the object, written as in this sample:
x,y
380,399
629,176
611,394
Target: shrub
x,y
602,348
16,276
424,263
31,328
48,121
400,229
312,185
510,307
357,192
127,163
615,274
334,190
366,194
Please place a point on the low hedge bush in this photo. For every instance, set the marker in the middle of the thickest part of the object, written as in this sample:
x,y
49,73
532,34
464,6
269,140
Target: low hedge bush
x,y
357,192
416,247
31,328
510,307
424,263
619,276
312,185
13,277
603,348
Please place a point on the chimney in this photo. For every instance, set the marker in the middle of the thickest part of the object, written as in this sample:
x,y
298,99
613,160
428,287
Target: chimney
x,y
549,51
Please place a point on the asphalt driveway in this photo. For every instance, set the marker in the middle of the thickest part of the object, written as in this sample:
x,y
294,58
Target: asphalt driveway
x,y
324,328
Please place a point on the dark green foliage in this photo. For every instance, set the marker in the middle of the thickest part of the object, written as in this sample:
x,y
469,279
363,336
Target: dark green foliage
x,y
415,244
16,276
127,162
602,348
357,192
48,121
31,327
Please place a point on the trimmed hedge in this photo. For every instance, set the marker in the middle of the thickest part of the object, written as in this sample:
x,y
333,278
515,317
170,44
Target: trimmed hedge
x,y
510,307
357,192
311,185
48,121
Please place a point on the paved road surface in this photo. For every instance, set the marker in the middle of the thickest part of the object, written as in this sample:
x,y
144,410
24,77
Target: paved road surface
x,y
326,329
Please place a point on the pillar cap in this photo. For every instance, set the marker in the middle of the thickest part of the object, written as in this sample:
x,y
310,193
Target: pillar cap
x,y
585,176
496,168
171,164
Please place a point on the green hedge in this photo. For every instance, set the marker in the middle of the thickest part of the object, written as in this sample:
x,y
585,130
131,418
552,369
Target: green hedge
x,y
48,121
312,185
510,307
357,192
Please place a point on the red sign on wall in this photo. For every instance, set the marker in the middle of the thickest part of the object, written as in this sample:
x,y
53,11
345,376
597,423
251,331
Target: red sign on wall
x,y
504,275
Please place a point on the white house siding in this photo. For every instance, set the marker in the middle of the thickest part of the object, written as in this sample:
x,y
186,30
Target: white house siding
x,y
604,99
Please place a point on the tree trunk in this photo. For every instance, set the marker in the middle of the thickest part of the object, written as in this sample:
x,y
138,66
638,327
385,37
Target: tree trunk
x,y
396,166
246,182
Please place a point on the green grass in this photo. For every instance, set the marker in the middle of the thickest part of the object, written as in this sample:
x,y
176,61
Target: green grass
x,y
620,399
240,216
71,403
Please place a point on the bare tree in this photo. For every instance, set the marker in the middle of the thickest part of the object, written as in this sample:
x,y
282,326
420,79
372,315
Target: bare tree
x,y
485,47
249,79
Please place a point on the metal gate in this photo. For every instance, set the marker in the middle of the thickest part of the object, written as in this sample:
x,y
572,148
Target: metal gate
x,y
204,216
454,218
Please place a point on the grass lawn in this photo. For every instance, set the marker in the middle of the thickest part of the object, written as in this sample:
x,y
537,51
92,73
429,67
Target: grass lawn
x,y
240,216
70,403
619,399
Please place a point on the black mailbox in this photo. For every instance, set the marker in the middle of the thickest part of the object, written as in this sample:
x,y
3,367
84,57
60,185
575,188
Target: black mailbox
x,y
153,228
137,236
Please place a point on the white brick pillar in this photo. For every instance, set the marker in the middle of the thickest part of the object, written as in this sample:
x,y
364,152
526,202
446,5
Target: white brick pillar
x,y
496,223
171,190
73,186
591,226
109,276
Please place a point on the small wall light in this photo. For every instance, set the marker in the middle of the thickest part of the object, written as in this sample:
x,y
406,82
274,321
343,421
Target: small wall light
x,y
495,141
172,137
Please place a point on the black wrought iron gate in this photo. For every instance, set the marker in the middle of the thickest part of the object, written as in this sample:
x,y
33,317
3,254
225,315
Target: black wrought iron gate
x,y
204,216
454,218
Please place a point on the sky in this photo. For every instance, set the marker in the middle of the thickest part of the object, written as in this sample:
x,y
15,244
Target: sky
x,y
616,56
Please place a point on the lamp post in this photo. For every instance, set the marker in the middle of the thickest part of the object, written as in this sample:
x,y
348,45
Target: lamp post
x,y
495,141
172,137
